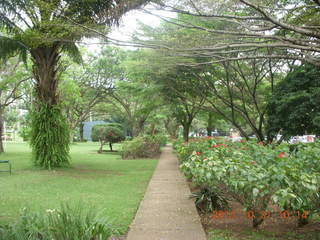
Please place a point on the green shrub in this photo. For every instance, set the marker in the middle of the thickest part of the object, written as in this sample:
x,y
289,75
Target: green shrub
x,y
142,147
66,223
117,125
133,148
107,133
177,143
25,132
162,139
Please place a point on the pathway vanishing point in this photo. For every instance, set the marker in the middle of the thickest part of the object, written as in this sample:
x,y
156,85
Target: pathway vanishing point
x,y
166,212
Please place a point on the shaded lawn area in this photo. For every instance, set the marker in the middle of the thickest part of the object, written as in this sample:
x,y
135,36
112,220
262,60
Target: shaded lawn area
x,y
102,181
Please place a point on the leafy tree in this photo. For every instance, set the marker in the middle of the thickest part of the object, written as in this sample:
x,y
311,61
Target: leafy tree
x,y
253,29
45,30
82,88
107,133
171,125
234,90
171,85
12,75
134,96
294,108
238,93
136,102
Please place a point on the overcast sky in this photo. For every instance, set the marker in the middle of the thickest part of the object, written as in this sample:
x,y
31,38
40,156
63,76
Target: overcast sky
x,y
129,24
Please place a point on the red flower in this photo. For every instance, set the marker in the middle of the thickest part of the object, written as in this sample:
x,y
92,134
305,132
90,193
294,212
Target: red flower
x,y
219,145
198,153
282,154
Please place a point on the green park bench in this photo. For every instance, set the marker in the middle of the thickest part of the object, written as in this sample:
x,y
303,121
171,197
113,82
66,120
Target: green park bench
x,y
9,164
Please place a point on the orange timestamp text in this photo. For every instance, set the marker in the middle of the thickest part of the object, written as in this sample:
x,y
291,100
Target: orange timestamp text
x,y
220,214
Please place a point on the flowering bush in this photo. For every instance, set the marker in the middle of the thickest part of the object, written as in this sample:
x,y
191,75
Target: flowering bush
x,y
254,174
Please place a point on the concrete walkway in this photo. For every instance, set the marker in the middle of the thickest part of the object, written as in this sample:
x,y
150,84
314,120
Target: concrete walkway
x,y
166,212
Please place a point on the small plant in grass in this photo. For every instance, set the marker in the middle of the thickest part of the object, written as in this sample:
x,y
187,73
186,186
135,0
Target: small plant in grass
x,y
107,133
66,223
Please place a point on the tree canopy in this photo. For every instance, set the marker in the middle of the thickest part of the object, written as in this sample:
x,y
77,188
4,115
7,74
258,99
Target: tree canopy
x,y
294,108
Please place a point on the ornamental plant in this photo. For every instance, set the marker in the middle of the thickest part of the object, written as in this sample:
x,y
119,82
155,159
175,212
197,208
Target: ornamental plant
x,y
107,133
142,147
255,174
67,222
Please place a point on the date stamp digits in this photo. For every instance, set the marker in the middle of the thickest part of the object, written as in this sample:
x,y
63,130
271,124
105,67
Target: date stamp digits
x,y
220,214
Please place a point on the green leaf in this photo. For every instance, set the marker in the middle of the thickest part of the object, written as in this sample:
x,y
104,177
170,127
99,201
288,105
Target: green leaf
x,y
255,192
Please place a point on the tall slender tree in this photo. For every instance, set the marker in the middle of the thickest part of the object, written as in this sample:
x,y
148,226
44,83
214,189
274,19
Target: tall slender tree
x,y
44,30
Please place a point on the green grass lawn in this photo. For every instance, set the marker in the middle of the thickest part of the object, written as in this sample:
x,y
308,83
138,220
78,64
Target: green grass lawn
x,y
102,181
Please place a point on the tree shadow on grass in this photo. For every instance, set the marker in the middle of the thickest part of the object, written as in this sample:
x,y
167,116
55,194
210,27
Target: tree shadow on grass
x,y
108,152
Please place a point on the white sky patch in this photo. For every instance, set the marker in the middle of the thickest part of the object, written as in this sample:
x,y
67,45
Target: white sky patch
x,y
128,25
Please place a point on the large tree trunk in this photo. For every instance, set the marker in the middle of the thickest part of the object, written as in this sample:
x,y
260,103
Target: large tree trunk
x,y
210,126
153,129
45,70
138,127
186,130
101,147
81,132
50,132
71,135
1,130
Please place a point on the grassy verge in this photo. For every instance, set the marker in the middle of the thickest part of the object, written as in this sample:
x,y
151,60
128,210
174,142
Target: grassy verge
x,y
101,181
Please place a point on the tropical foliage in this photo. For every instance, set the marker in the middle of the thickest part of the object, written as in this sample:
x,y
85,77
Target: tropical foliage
x,y
50,137
294,106
65,223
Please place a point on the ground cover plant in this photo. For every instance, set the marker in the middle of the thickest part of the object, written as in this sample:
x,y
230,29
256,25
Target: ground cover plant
x,y
103,182
258,177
